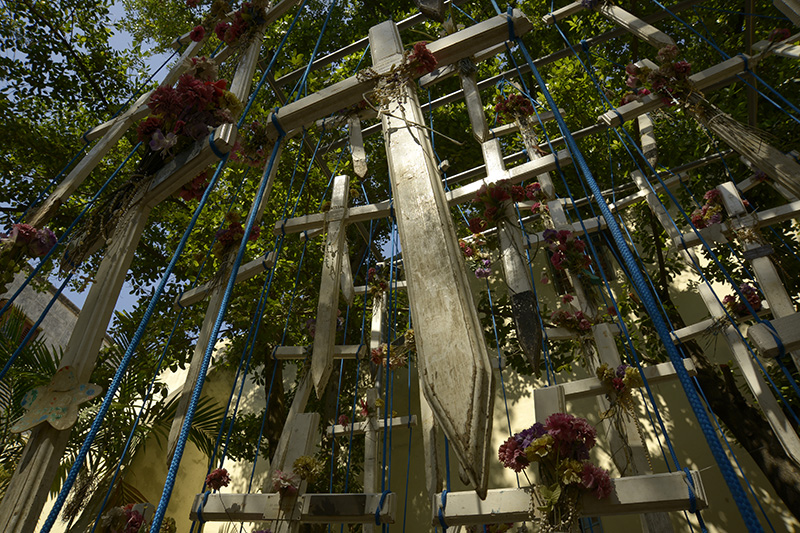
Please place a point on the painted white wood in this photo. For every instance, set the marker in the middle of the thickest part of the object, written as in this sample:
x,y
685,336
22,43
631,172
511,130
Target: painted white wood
x,y
347,351
311,508
564,12
588,387
328,305
247,271
371,451
363,427
787,329
29,487
346,278
442,73
362,289
447,50
449,337
702,80
750,372
363,213
659,492
648,138
790,8
513,127
634,25
359,155
548,401
783,48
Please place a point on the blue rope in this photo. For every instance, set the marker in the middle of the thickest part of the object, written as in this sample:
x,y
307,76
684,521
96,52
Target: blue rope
x,y
380,507
181,444
731,480
117,380
301,83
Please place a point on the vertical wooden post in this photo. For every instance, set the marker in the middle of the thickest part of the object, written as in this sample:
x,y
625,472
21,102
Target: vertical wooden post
x,y
450,345
27,492
328,305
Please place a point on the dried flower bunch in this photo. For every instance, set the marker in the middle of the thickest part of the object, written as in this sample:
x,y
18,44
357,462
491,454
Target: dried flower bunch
x,y
230,237
477,259
254,145
711,212
737,306
236,29
491,201
620,384
560,447
513,107
670,79
389,85
22,242
567,249
217,479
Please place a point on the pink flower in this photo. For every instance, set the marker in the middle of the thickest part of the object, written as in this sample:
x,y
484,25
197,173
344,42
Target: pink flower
x,y
43,242
197,33
285,483
545,280
512,455
344,420
594,477
566,299
218,478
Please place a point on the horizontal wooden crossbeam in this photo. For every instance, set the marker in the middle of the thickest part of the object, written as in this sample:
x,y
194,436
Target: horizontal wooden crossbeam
x,y
787,329
638,494
247,271
363,213
310,508
359,428
347,351
588,387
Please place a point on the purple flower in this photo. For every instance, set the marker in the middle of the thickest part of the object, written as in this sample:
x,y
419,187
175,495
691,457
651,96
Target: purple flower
x,y
483,273
526,436
512,455
43,242
159,142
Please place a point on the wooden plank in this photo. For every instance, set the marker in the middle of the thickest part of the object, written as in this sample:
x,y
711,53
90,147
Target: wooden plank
x,y
790,8
702,80
311,508
359,155
29,487
589,387
783,48
634,25
346,278
631,495
442,73
788,330
347,352
513,127
328,305
360,428
362,289
371,457
247,271
447,50
188,164
564,12
449,337
648,139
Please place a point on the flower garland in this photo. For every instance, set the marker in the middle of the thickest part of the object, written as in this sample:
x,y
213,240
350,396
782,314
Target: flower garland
x,y
254,146
567,250
397,355
477,260
238,29
126,519
736,306
711,212
561,447
230,237
24,241
376,281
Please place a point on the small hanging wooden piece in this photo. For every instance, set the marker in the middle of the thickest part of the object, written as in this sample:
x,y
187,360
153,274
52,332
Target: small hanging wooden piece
x,y
433,9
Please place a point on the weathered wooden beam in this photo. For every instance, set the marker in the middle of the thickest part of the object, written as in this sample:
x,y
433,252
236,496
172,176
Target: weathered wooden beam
x,y
787,329
631,495
590,387
463,194
448,334
790,8
310,508
348,92
360,428
328,305
783,48
347,352
248,270
702,80
635,26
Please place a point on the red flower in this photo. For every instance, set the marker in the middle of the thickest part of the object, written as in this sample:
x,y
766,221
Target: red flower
x,y
148,127
477,225
218,478
221,29
421,59
197,33
779,34
192,3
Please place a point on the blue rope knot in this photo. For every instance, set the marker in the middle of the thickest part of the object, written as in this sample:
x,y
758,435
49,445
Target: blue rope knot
x,y
585,47
213,146
746,62
774,333
510,21
200,507
442,506
83,137
380,506
283,226
277,124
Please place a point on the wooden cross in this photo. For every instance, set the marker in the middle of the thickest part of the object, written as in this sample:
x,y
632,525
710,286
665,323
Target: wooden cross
x,y
512,255
750,372
29,487
653,494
